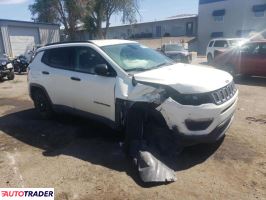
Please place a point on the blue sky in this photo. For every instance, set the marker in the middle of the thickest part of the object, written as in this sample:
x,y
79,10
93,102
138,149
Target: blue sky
x,y
150,10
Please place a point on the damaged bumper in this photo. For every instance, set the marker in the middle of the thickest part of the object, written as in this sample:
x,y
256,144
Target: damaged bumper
x,y
198,124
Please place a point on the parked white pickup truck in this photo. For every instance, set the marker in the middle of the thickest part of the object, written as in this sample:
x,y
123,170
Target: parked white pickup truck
x,y
128,85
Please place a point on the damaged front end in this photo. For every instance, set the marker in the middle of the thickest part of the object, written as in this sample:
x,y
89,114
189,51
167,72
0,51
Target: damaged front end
x,y
144,143
165,121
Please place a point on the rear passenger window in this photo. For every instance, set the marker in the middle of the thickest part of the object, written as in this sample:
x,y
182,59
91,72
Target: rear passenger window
x,y
59,58
211,43
220,43
252,48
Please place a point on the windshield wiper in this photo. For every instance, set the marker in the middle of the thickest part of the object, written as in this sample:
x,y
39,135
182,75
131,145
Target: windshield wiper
x,y
161,65
138,69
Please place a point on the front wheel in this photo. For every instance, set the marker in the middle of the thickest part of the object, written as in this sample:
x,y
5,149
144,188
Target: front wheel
x,y
231,70
209,59
145,130
11,75
42,104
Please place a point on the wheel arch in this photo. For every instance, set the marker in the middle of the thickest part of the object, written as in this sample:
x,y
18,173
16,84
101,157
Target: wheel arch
x,y
35,87
124,108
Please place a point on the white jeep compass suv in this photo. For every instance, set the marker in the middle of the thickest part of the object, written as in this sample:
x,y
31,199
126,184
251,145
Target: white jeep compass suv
x,y
128,85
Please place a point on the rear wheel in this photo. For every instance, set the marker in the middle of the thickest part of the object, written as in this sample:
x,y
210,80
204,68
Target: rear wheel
x,y
42,104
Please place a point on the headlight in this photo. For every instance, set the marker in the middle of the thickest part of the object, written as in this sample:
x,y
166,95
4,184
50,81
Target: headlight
x,y
194,99
189,99
3,63
9,66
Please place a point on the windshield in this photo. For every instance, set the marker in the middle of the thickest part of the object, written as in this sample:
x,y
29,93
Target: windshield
x,y
174,47
136,57
235,43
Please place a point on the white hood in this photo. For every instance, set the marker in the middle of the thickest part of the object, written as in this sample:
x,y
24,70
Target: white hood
x,y
187,79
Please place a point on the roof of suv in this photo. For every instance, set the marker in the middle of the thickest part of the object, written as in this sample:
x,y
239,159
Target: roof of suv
x,y
99,43
102,43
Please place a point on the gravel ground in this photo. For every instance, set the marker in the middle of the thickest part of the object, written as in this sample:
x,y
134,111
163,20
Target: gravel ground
x,y
82,159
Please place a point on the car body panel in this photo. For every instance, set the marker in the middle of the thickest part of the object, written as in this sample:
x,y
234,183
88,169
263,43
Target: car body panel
x,y
187,79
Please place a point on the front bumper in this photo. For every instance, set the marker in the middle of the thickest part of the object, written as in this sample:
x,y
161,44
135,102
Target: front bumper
x,y
219,118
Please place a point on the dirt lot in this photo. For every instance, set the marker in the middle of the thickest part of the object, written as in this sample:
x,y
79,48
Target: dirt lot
x,y
82,159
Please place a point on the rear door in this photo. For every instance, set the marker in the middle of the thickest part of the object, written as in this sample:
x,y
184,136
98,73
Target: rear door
x,y
59,70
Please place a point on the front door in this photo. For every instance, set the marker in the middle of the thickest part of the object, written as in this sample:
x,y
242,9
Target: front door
x,y
261,62
248,59
93,93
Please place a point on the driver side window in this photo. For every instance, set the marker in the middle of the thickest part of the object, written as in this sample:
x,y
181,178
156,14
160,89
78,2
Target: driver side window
x,y
250,48
263,49
86,59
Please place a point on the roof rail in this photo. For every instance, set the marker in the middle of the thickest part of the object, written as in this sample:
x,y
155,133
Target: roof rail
x,y
69,42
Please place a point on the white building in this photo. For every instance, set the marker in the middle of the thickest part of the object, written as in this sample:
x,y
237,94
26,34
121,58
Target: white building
x,y
180,25
229,18
18,37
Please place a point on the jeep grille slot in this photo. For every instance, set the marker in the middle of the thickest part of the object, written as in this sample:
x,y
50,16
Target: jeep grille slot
x,y
224,94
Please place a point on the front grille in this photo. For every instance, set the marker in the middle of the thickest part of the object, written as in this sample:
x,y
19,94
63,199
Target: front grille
x,y
224,94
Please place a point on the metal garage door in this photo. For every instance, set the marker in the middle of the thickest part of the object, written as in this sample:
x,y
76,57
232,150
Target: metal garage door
x,y
23,39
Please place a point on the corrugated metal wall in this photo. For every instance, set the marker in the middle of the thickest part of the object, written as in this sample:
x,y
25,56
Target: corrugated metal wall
x,y
6,42
2,50
23,39
49,35
18,36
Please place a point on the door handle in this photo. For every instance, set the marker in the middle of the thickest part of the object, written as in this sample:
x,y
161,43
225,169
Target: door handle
x,y
75,79
45,73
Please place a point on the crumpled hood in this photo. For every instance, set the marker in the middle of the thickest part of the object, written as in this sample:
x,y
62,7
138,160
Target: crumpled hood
x,y
187,79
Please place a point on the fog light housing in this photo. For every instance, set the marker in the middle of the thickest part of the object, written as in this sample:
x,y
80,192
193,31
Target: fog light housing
x,y
198,125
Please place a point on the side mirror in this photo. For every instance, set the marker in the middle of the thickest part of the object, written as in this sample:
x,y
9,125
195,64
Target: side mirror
x,y
102,70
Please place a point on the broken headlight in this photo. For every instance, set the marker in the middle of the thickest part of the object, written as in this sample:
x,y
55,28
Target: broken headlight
x,y
193,99
190,99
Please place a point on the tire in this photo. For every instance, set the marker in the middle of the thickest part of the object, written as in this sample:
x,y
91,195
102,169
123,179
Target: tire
x,y
134,128
144,131
11,75
42,104
209,59
19,71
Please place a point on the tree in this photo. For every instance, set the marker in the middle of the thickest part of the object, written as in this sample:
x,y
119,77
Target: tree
x,y
101,11
70,13
66,12
43,11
